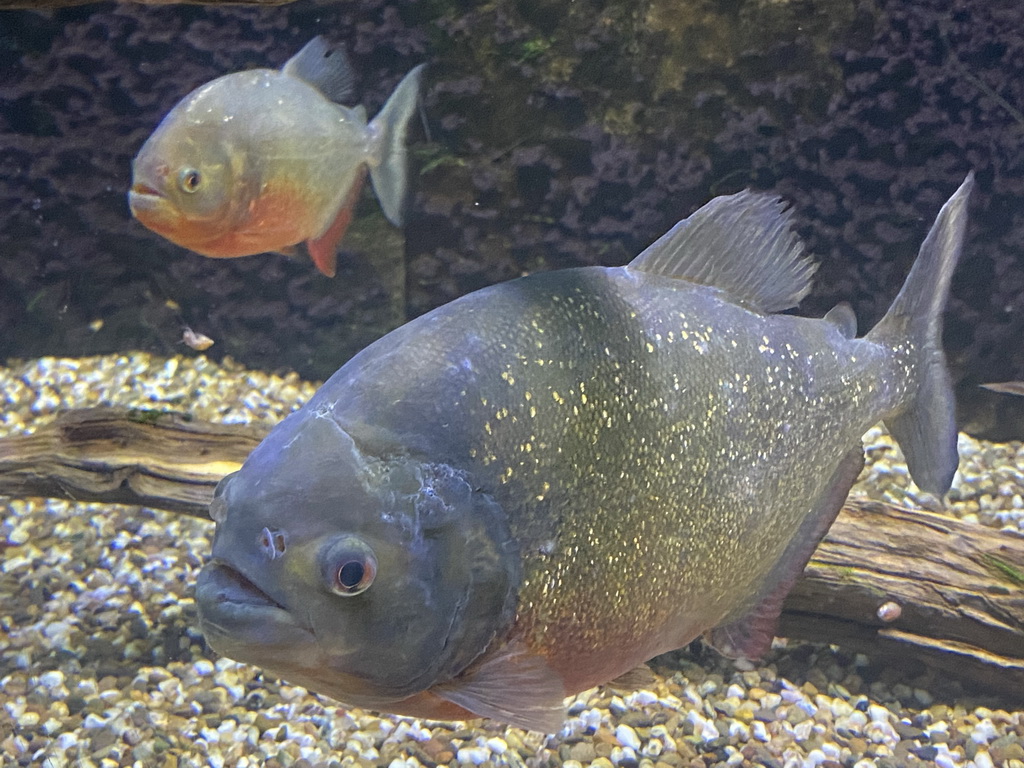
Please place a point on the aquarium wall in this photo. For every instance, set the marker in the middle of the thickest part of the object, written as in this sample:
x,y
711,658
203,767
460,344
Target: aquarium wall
x,y
554,135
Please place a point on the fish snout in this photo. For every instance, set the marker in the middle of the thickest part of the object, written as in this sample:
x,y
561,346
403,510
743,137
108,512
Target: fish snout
x,y
149,178
147,197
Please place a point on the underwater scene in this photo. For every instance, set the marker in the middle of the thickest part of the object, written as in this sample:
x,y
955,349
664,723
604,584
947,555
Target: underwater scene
x,y
418,383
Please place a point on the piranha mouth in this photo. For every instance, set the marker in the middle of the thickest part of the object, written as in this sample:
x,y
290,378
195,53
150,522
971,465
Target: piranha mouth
x,y
230,586
143,193
155,211
238,618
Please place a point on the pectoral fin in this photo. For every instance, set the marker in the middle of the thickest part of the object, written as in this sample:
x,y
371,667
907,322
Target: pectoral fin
x,y
515,687
750,636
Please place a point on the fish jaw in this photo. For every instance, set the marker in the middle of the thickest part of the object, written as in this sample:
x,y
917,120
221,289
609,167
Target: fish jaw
x,y
153,209
239,620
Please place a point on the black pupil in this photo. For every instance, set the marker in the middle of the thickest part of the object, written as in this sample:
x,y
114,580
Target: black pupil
x,y
351,574
192,180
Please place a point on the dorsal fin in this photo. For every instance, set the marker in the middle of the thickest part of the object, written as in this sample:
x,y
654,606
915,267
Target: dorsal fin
x,y
329,71
739,243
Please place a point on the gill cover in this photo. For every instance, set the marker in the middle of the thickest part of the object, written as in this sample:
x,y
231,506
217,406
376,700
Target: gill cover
x,y
397,570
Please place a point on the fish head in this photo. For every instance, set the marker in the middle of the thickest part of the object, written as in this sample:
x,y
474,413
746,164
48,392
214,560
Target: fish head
x,y
188,180
366,577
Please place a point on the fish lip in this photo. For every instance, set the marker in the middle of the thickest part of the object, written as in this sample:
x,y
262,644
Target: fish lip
x,y
241,621
140,189
224,585
143,197
230,604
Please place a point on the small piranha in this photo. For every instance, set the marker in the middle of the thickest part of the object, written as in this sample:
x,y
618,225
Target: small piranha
x,y
264,160
197,341
1005,387
540,486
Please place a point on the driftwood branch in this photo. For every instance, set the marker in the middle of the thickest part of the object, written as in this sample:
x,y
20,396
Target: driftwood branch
x,y
149,458
959,586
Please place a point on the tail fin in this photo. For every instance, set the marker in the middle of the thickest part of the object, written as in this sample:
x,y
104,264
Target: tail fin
x,y
390,175
926,428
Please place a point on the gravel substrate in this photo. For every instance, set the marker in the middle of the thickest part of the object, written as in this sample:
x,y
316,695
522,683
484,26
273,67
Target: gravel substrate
x,y
101,663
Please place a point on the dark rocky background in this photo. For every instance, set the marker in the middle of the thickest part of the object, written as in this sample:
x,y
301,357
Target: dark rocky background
x,y
560,134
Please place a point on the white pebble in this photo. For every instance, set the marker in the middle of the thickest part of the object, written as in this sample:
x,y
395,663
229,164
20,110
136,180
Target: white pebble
x,y
627,737
984,732
641,699
760,732
66,740
983,760
474,755
840,708
739,731
878,713
93,720
802,731
617,705
653,748
51,679
497,746
832,751
815,757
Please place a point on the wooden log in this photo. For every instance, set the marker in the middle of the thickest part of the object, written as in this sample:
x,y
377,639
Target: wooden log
x,y
150,458
957,587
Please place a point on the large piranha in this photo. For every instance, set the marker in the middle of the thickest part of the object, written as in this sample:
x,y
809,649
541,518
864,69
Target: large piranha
x,y
538,487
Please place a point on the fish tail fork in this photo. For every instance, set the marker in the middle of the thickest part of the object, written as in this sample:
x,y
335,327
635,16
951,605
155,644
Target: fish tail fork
x,y
389,174
924,424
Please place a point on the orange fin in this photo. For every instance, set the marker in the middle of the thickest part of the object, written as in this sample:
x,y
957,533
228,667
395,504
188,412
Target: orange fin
x,y
324,249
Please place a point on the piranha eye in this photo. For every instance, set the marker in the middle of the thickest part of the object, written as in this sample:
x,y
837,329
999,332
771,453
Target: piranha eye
x,y
348,567
190,179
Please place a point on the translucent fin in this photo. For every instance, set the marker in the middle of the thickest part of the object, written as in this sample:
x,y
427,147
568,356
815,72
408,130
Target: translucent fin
x,y
634,680
326,69
750,636
1005,387
925,427
843,317
390,174
741,244
514,687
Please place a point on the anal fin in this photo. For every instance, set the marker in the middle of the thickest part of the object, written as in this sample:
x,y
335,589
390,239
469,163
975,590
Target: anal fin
x,y
750,636
323,249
